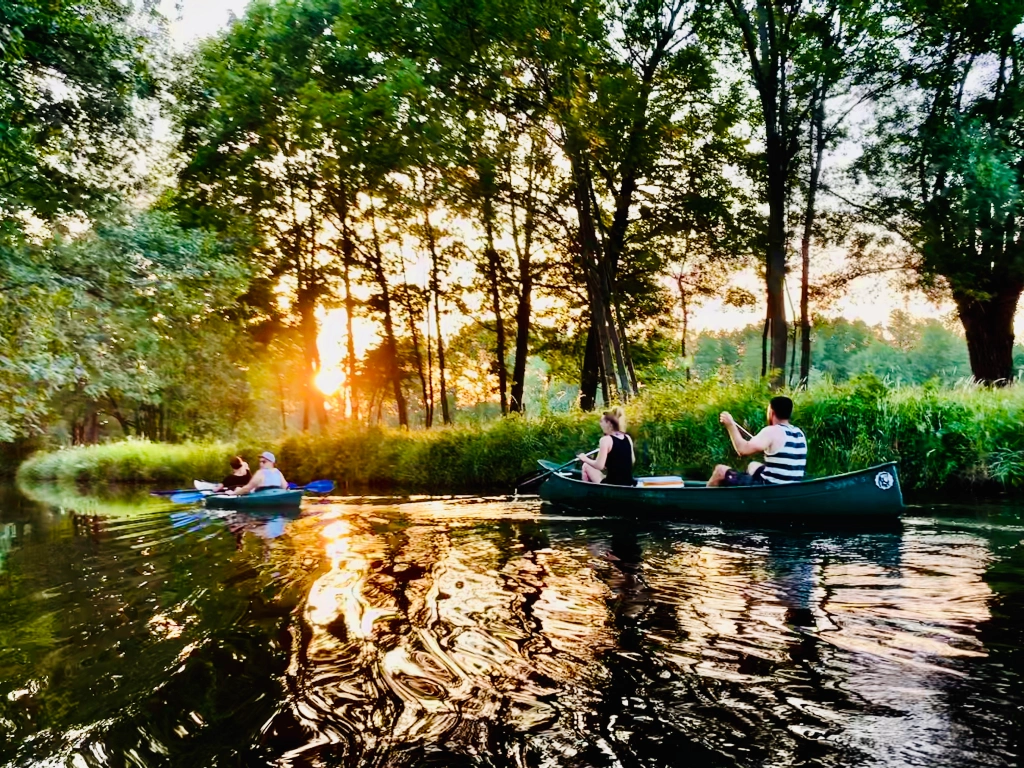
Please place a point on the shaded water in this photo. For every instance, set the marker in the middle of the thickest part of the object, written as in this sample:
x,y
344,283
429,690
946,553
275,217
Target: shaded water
x,y
487,632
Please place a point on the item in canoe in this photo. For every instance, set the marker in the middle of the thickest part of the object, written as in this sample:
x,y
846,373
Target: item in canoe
x,y
871,494
267,497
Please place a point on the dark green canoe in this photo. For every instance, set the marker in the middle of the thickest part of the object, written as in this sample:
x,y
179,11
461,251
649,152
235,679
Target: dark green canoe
x,y
274,498
871,494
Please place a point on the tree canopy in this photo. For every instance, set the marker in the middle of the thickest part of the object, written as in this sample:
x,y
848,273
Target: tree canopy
x,y
496,207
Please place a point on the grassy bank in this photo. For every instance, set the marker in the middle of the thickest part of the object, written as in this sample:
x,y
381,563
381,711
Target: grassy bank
x,y
943,438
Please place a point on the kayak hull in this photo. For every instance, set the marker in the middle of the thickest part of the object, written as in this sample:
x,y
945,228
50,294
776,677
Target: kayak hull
x,y
868,495
275,498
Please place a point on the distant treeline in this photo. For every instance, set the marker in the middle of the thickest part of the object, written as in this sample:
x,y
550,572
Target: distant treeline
x,y
903,351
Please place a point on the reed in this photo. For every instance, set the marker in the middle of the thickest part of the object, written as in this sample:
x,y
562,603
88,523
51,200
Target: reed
x,y
965,436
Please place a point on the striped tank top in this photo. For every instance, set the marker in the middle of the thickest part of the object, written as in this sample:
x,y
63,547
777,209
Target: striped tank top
x,y
789,464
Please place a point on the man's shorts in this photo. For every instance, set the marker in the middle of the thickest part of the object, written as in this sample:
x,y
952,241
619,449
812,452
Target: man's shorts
x,y
737,479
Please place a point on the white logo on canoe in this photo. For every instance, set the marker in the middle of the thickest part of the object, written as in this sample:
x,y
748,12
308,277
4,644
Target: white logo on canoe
x,y
885,480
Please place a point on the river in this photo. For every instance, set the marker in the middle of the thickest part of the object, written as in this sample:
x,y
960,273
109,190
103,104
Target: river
x,y
490,632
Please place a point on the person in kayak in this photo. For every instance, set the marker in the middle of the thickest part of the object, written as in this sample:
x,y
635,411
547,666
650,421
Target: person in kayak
x,y
615,457
267,476
783,445
240,475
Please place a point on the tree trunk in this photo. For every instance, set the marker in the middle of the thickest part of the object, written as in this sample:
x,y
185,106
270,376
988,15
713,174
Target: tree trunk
x,y
988,326
435,286
283,402
309,329
428,409
348,248
391,344
775,273
685,304
524,253
817,151
523,311
494,284
590,253
430,366
589,372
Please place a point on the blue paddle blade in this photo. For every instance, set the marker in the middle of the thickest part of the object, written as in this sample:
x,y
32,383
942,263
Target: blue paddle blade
x,y
188,497
320,486
171,493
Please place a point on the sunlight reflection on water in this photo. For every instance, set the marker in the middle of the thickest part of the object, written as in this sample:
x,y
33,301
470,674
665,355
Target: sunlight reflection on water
x,y
487,632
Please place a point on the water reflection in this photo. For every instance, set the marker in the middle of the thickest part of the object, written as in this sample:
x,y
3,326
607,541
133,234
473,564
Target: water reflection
x,y
475,632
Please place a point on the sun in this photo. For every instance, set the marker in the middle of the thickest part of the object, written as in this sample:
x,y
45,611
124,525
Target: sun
x,y
330,380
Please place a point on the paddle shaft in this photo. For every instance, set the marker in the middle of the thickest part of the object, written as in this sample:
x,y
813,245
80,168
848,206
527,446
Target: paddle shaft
x,y
556,469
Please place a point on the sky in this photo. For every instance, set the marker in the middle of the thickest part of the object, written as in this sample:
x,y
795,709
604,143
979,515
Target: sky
x,y
872,300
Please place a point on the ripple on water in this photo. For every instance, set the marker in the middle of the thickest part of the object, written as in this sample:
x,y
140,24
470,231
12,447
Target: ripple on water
x,y
468,631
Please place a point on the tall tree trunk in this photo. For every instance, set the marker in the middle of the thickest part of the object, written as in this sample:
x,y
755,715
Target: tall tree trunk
x,y
765,330
283,403
589,371
524,253
395,373
685,304
523,312
767,37
816,151
348,248
416,354
309,330
494,285
775,273
430,366
590,256
435,287
988,326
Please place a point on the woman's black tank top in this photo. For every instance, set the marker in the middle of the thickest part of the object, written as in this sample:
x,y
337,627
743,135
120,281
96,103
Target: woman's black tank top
x,y
618,465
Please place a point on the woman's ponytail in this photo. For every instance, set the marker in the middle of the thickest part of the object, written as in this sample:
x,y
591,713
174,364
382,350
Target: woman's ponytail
x,y
617,418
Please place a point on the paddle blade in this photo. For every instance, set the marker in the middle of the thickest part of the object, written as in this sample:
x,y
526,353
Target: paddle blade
x,y
170,493
529,481
320,486
188,497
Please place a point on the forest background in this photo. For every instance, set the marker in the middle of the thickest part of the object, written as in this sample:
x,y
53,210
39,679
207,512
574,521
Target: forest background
x,y
494,208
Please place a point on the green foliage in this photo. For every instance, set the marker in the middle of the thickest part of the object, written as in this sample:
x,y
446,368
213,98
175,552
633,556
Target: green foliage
x,y
135,461
71,75
941,437
129,321
905,351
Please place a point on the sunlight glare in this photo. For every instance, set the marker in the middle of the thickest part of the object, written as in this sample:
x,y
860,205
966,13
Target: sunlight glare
x,y
330,380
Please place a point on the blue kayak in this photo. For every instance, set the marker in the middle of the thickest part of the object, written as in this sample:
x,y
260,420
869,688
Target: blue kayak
x,y
267,497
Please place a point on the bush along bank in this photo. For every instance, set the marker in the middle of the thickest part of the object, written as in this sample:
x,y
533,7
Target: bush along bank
x,y
135,461
942,438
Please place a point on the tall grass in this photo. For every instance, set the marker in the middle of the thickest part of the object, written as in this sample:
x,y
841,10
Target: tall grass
x,y
133,461
941,437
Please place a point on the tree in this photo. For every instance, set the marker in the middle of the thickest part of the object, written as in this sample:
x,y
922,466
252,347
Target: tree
x,y
947,166
70,77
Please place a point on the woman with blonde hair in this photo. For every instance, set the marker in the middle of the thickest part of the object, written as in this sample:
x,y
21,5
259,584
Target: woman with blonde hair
x,y
615,458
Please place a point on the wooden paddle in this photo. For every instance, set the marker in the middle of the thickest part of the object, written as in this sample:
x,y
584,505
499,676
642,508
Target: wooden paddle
x,y
533,477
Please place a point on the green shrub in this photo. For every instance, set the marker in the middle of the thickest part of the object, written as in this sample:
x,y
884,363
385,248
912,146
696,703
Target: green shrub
x,y
941,437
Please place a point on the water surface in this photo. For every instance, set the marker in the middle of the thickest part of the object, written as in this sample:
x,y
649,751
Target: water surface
x,y
419,632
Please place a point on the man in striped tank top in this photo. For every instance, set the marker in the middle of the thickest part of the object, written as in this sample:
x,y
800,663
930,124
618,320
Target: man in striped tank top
x,y
783,445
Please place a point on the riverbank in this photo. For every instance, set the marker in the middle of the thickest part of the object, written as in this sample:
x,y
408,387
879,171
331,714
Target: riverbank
x,y
943,438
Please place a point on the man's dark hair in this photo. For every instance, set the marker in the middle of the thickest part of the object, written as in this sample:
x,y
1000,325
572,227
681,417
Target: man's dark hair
x,y
782,407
